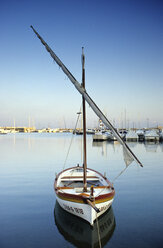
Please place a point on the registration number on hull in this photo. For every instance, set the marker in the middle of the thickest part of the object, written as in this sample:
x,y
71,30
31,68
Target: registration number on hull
x,y
73,210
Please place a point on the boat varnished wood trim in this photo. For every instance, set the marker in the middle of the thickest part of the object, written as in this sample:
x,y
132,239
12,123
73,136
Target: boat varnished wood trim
x,y
95,187
80,198
84,194
65,187
83,200
102,187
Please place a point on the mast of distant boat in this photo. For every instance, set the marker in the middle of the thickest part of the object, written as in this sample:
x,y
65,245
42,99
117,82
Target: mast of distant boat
x,y
84,126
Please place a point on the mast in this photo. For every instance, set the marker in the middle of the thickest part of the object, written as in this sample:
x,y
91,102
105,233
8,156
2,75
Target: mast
x,y
130,156
84,125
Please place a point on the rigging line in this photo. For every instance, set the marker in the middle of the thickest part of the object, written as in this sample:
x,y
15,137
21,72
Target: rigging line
x,y
119,174
68,152
72,137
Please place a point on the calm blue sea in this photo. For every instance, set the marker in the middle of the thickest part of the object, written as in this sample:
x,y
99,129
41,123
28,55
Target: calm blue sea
x,y
30,217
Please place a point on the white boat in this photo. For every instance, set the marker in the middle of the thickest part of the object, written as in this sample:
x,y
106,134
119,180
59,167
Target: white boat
x,y
80,190
131,136
99,136
152,135
87,204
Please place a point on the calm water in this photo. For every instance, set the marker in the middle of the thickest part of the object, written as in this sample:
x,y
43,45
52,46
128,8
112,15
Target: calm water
x,y
30,217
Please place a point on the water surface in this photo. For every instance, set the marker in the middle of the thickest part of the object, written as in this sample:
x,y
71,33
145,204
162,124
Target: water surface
x,y
30,217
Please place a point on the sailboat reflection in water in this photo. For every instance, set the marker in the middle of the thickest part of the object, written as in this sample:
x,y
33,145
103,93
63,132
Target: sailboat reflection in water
x,y
80,233
80,190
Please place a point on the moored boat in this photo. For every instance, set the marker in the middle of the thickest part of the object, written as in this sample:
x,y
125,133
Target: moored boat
x,y
99,136
131,136
151,135
79,190
90,204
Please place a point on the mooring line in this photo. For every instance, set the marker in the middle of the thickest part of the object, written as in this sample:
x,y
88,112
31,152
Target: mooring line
x,y
98,231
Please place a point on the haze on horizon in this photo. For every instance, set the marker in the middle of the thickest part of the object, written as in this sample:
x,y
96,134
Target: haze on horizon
x,y
123,41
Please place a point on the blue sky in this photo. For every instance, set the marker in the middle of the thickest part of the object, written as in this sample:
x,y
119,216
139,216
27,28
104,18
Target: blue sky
x,y
123,41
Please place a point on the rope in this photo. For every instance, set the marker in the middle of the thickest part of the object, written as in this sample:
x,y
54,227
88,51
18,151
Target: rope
x,y
68,151
98,231
119,174
72,137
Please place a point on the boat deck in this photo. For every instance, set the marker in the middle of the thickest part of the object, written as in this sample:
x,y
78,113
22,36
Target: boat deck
x,y
71,182
76,183
76,187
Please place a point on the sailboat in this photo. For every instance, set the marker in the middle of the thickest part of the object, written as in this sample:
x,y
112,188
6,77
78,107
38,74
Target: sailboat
x,y
80,190
100,134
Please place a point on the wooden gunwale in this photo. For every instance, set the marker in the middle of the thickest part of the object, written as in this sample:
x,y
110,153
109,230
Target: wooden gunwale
x,y
95,187
80,198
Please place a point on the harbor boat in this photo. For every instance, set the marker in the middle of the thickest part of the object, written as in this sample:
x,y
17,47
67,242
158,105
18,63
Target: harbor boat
x,y
140,134
152,136
131,136
99,136
80,190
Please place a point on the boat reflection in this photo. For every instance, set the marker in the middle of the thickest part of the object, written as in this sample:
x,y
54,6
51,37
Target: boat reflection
x,y
101,145
151,146
80,233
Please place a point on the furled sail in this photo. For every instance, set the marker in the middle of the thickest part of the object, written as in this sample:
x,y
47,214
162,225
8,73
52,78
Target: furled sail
x,y
129,155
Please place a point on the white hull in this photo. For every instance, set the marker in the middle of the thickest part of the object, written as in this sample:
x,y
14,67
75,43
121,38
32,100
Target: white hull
x,y
154,139
84,211
100,137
